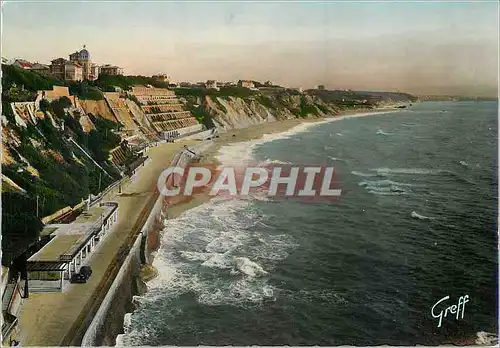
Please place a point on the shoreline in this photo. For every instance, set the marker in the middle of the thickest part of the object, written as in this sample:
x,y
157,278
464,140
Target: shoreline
x,y
257,132
241,135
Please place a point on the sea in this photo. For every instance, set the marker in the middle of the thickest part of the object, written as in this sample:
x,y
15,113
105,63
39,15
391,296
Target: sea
x,y
416,223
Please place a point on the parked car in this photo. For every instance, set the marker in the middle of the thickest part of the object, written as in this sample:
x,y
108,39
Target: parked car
x,y
78,278
86,271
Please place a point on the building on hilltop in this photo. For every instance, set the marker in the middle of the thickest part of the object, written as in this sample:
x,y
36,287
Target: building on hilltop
x,y
73,71
162,78
211,84
79,67
246,84
321,87
82,58
24,64
41,69
109,69
57,68
94,71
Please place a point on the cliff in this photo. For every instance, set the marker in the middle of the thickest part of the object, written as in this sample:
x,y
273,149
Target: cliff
x,y
234,107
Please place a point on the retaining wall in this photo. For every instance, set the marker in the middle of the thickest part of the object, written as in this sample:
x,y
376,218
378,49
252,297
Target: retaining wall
x,y
105,326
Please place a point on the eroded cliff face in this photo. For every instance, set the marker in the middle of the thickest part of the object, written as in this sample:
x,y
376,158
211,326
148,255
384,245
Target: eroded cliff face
x,y
233,112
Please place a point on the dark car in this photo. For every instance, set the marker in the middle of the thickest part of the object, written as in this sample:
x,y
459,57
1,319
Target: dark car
x,y
78,278
86,271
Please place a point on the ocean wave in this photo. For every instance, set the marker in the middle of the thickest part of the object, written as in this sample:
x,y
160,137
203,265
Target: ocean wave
x,y
337,159
243,152
416,215
383,183
381,132
226,241
248,267
210,252
413,171
385,187
366,175
275,161
385,193
196,256
243,293
463,163
218,261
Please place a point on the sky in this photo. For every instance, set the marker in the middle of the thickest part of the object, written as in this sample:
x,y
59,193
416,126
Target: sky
x,y
427,47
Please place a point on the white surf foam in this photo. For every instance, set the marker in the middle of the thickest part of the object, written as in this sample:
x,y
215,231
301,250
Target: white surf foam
x,y
381,132
414,171
337,159
248,267
486,339
383,193
275,161
384,183
196,256
416,215
366,175
218,261
241,153
211,240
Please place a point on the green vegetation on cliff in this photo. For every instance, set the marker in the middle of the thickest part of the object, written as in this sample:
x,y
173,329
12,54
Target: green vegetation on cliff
x,y
49,168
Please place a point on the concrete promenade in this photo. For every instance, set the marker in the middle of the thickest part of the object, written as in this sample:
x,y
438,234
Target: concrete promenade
x,y
56,319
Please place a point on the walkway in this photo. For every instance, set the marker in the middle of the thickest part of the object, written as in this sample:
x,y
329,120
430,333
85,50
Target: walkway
x,y
53,319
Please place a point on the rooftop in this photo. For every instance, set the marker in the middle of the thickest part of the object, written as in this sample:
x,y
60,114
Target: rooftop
x,y
93,214
56,247
70,238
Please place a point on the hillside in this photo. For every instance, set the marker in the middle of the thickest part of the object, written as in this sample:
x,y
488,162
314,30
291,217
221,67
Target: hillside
x,y
47,156
58,151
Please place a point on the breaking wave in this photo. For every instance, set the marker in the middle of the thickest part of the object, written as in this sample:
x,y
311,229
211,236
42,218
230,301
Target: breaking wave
x,y
274,161
381,132
217,253
337,159
413,171
416,215
365,175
